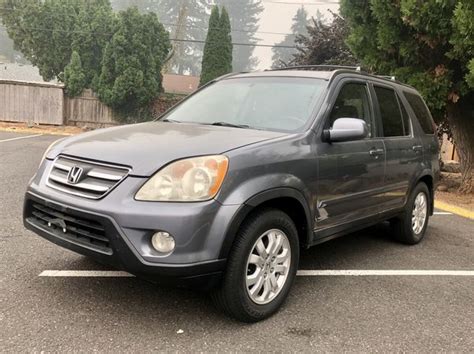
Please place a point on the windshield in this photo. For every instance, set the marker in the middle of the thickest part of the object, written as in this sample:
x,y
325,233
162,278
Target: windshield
x,y
281,104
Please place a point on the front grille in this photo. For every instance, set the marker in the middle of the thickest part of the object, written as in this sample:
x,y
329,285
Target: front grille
x,y
85,232
95,180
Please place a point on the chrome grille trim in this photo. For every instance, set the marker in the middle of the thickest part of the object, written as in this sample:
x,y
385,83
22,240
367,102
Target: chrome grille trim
x,y
99,179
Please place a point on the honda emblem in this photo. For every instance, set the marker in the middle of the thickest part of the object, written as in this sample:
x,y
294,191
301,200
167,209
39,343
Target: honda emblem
x,y
74,175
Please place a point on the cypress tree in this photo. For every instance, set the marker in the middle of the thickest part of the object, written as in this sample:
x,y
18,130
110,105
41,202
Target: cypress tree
x,y
217,58
74,76
226,42
245,17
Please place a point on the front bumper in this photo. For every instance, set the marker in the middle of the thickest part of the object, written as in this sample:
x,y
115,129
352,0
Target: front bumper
x,y
118,229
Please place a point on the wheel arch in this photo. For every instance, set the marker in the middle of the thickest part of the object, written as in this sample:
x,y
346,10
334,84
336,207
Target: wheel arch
x,y
427,178
288,200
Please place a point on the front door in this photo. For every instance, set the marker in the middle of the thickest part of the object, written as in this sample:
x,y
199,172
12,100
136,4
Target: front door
x,y
351,173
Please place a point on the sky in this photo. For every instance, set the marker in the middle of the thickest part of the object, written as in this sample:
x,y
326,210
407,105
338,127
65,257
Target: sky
x,y
277,18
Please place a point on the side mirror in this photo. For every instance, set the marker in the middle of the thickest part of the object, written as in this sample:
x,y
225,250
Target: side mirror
x,y
346,129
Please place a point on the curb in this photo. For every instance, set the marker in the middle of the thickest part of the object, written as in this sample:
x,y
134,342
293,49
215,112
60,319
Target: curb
x,y
454,209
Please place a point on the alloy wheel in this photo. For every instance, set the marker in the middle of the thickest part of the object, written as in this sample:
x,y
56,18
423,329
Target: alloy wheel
x,y
268,266
419,213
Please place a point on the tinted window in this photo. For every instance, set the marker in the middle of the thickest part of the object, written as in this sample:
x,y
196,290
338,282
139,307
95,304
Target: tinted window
x,y
421,112
282,104
390,112
406,119
352,102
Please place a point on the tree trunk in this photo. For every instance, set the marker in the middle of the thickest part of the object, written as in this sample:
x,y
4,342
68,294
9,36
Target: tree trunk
x,y
460,117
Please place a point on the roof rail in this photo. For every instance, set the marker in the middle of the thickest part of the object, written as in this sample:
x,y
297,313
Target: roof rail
x,y
388,77
318,67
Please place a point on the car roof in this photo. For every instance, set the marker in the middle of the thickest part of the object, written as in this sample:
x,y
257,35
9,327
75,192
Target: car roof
x,y
325,75
324,72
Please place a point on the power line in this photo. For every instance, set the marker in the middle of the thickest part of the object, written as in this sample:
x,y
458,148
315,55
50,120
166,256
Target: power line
x,y
171,39
207,28
238,44
236,30
232,30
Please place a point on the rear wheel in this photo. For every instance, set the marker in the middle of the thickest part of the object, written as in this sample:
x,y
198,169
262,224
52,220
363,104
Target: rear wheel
x,y
411,226
261,267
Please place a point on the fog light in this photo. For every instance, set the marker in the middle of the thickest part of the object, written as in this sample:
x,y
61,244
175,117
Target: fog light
x,y
163,242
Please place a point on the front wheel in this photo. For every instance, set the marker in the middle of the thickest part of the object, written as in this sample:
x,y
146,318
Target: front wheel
x,y
411,226
261,267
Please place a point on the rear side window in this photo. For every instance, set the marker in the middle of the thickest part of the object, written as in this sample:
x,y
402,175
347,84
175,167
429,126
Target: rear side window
x,y
421,112
390,113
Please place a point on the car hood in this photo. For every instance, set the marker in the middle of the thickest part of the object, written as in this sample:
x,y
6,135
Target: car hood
x,y
146,147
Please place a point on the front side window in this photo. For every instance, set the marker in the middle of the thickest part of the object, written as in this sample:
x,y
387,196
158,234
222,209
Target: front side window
x,y
280,104
390,113
352,102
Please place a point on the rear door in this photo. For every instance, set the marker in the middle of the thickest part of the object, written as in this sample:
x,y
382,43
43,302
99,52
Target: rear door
x,y
404,151
427,130
351,173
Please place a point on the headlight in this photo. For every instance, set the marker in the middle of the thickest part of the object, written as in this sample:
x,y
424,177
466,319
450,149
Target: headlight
x,y
187,180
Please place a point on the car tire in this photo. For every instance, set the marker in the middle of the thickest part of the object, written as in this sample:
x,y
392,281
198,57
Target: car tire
x,y
237,296
410,226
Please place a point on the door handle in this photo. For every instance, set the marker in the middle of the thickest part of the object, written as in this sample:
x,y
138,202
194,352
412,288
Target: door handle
x,y
376,152
417,148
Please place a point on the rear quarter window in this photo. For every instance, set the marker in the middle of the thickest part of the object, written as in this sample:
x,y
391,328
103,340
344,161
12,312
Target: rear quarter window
x,y
421,112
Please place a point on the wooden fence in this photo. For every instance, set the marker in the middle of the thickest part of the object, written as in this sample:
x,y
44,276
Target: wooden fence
x,y
86,109
31,102
44,103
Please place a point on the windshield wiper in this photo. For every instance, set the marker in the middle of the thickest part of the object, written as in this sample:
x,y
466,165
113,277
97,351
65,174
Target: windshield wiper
x,y
225,124
169,120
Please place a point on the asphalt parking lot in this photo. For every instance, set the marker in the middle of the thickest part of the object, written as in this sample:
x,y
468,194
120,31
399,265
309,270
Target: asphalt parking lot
x,y
369,313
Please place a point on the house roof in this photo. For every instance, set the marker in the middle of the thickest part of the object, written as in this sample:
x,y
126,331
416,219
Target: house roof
x,y
180,83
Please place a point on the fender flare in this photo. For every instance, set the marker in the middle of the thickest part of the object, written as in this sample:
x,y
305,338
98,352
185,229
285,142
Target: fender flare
x,y
248,206
427,173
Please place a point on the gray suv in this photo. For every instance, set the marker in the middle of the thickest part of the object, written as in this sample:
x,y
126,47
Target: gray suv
x,y
226,188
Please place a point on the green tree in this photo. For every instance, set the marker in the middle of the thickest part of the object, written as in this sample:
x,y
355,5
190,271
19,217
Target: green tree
x,y
430,46
47,32
42,31
131,67
74,76
217,58
284,56
325,44
94,28
186,20
225,41
244,15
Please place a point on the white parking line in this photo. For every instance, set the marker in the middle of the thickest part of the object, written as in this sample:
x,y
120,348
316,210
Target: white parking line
x,y
382,272
20,137
442,213
302,273
85,273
